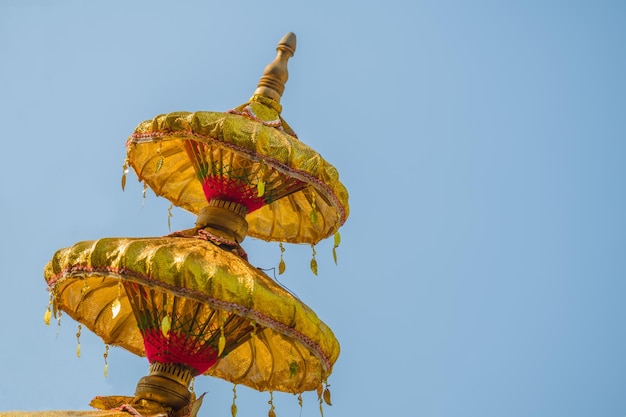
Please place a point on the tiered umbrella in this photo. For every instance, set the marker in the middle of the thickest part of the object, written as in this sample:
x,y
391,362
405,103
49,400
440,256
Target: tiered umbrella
x,y
190,302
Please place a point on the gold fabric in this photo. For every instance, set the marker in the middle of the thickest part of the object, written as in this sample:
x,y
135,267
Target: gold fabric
x,y
292,350
256,133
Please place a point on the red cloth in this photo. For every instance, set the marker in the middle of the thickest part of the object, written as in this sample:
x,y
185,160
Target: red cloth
x,y
178,347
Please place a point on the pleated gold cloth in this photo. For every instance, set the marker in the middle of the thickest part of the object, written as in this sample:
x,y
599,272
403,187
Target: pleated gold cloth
x,y
292,350
253,144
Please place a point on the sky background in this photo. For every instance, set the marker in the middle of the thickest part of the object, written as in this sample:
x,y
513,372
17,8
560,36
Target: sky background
x,y
482,268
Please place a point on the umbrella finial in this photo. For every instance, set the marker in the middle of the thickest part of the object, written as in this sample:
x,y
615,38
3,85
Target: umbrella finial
x,y
272,83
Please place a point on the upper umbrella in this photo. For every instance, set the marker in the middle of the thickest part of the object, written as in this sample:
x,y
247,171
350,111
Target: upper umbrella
x,y
246,165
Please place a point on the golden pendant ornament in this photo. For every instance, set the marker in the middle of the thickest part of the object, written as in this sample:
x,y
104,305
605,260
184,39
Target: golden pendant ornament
x,y
124,172
337,241
260,188
221,342
327,396
46,316
166,325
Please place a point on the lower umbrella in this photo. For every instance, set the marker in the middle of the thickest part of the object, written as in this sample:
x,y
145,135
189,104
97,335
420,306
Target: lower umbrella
x,y
192,308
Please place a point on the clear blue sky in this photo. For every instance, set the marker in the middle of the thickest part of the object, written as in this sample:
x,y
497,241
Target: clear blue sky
x,y
482,270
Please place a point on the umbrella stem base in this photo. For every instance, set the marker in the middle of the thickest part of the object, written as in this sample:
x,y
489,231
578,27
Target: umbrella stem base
x,y
166,384
225,216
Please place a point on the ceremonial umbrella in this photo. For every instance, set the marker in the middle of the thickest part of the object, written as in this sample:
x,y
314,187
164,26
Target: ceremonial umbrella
x,y
190,301
284,189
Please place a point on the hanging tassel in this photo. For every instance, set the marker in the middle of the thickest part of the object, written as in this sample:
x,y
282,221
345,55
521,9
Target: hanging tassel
x,y
314,261
166,325
169,217
300,402
271,412
337,239
115,307
106,363
281,264
166,321
222,342
260,185
124,172
326,395
233,407
80,327
143,193
320,391
48,314
58,316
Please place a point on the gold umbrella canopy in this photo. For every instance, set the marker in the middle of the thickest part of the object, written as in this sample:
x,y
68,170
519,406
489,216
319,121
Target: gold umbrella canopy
x,y
249,156
186,301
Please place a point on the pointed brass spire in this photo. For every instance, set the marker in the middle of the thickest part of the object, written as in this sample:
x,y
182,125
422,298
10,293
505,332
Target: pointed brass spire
x,y
272,83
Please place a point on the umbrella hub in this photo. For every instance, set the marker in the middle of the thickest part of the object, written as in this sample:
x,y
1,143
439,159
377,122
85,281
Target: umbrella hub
x,y
226,217
166,384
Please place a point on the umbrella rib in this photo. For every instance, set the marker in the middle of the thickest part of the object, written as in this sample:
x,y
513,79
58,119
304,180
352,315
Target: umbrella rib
x,y
119,327
268,345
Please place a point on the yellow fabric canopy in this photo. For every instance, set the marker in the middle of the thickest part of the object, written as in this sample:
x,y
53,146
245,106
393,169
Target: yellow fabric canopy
x,y
291,350
252,145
